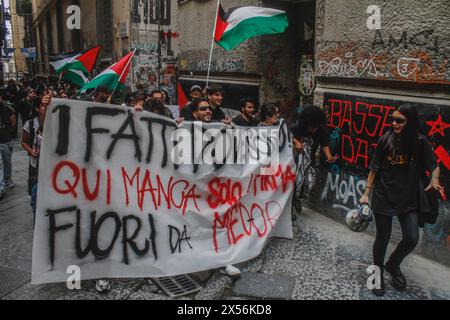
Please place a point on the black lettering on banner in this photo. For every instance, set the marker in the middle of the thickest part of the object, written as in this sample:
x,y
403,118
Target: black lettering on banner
x,y
179,239
164,124
130,240
129,122
80,252
64,128
51,214
97,111
149,121
218,166
99,253
285,138
153,236
175,143
195,164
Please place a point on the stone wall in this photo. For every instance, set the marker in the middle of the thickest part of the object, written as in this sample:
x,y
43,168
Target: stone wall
x,y
413,43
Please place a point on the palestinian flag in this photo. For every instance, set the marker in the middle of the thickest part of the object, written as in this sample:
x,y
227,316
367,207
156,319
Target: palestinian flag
x,y
242,23
114,77
182,100
76,67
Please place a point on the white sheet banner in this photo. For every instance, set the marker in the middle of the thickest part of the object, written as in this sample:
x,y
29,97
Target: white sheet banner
x,y
115,200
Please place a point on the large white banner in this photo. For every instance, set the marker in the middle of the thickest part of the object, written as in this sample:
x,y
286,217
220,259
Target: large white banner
x,y
115,200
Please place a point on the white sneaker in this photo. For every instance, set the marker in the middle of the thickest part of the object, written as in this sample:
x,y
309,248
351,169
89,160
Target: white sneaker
x,y
232,271
102,286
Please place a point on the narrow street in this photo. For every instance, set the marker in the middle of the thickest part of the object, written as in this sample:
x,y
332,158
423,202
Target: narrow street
x,y
324,261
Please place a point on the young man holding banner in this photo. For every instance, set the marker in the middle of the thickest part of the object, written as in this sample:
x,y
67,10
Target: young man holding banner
x,y
31,142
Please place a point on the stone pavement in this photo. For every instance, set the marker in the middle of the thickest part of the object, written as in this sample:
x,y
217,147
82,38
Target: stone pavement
x,y
324,261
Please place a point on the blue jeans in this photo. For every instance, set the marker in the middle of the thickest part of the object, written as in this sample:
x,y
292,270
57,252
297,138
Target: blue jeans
x,y
6,153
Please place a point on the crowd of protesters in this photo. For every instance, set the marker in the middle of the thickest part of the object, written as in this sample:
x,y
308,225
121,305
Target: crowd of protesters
x,y
25,105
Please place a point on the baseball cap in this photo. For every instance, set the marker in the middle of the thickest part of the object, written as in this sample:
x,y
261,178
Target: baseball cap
x,y
196,88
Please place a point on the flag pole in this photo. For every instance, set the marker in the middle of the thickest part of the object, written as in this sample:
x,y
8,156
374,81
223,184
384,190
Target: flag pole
x,y
212,43
59,80
125,69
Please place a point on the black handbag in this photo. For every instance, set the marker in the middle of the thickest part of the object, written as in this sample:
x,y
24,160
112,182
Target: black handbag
x,y
428,202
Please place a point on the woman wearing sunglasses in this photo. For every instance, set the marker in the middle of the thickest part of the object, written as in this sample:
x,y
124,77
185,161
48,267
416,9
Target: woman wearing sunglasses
x,y
393,185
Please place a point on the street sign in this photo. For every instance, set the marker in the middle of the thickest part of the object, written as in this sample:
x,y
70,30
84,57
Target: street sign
x,y
29,53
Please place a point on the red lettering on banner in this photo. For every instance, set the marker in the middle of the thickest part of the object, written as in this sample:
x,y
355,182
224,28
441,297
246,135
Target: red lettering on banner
x,y
91,196
147,187
71,188
126,178
223,193
74,187
164,194
108,192
240,222
287,177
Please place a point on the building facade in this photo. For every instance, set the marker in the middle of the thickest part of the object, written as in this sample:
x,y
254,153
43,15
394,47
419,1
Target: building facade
x,y
156,40
101,22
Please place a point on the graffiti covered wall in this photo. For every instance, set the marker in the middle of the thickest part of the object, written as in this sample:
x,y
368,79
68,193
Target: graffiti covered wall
x,y
146,39
410,44
356,124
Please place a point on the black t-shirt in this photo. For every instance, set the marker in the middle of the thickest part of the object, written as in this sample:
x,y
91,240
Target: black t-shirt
x,y
25,107
320,137
217,114
241,121
397,181
5,123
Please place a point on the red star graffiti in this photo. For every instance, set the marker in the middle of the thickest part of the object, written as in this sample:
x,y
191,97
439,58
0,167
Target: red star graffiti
x,y
438,126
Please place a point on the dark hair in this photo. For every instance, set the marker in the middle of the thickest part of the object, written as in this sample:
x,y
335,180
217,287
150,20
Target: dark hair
x,y
195,104
244,102
101,89
214,89
167,100
268,110
409,138
155,91
154,106
312,117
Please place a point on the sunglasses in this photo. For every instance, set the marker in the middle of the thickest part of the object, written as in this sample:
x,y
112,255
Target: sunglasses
x,y
398,120
205,109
